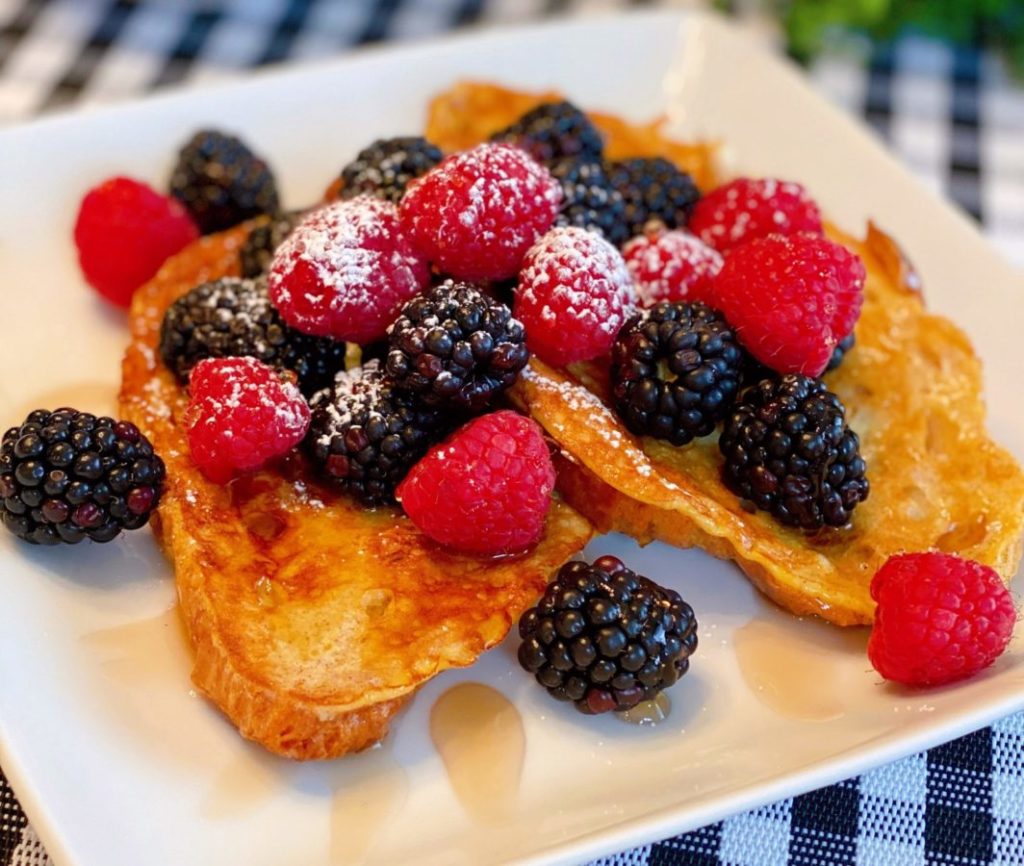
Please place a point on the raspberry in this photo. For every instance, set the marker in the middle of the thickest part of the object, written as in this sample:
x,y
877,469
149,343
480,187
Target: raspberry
x,y
486,489
240,415
753,208
124,232
939,618
346,271
671,266
791,299
479,211
574,294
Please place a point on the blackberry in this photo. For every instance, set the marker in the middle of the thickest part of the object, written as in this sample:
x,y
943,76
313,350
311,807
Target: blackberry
x,y
365,434
68,475
553,131
840,352
232,317
675,371
385,167
654,189
589,200
262,242
456,347
788,451
606,638
221,182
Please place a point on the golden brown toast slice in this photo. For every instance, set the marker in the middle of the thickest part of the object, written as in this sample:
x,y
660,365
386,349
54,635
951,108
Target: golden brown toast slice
x,y
912,387
312,619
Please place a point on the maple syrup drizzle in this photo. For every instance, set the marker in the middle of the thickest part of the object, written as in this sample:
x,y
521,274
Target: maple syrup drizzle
x,y
479,734
244,784
144,650
648,713
369,788
797,667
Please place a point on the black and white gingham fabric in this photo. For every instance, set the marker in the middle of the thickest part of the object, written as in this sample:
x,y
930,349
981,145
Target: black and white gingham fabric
x,y
955,117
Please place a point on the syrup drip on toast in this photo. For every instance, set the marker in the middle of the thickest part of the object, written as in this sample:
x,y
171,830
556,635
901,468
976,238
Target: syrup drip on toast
x,y
479,734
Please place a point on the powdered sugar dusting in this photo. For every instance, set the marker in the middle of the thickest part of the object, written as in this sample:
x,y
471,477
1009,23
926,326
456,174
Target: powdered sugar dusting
x,y
574,295
672,266
478,212
346,270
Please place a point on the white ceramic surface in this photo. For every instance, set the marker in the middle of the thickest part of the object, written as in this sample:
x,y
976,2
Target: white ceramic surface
x,y
119,764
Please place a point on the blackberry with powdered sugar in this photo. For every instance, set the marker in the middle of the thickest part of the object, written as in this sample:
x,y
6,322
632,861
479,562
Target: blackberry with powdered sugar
x,y
365,434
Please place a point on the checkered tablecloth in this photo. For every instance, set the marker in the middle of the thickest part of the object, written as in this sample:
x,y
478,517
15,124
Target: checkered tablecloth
x,y
954,116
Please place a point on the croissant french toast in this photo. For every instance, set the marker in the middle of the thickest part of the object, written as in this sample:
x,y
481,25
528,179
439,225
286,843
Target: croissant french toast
x,y
912,388
312,620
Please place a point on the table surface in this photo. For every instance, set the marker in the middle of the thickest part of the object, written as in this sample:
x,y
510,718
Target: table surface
x,y
954,116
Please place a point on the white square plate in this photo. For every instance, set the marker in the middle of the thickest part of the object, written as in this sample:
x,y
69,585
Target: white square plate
x,y
119,764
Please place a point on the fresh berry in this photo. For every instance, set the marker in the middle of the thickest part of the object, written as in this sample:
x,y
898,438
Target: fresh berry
x,y
124,232
747,208
234,317
939,618
589,200
241,414
754,371
385,168
346,271
791,299
456,347
262,242
606,638
221,182
654,189
68,475
574,294
788,451
671,266
486,489
479,211
365,434
554,131
675,371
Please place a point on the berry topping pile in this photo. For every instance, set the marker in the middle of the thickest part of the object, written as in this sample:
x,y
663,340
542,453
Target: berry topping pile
x,y
654,189
241,413
385,168
456,347
675,371
940,618
791,299
221,182
573,296
606,638
553,131
479,211
68,475
486,489
234,317
262,242
346,271
124,232
746,209
671,266
365,433
788,450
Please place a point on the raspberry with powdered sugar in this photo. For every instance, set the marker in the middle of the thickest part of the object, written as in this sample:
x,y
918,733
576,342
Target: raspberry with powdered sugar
x,y
477,213
346,271
574,294
750,208
671,266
